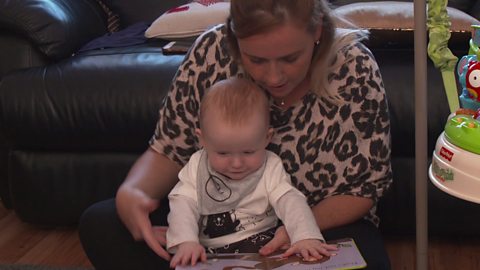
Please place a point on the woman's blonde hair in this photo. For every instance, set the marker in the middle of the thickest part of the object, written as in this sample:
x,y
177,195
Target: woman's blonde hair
x,y
251,17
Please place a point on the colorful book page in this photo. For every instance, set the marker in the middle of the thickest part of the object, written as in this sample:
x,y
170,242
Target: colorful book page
x,y
347,257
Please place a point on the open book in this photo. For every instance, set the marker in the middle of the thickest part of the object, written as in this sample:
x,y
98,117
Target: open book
x,y
347,257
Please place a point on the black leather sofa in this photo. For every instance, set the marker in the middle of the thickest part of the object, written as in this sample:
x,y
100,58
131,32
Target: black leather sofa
x,y
72,124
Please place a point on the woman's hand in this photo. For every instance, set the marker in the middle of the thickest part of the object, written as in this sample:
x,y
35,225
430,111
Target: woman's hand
x,y
188,253
134,207
152,176
279,241
310,249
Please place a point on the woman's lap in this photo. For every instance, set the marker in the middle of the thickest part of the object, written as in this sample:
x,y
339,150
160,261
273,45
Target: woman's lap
x,y
109,245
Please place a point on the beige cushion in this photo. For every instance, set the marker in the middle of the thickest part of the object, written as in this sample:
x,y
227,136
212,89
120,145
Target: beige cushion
x,y
395,15
188,21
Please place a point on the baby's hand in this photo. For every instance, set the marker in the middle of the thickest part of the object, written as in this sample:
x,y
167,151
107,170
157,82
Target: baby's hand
x,y
188,252
310,249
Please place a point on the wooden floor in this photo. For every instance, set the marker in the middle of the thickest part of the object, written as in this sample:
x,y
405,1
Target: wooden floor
x,y
22,243
454,253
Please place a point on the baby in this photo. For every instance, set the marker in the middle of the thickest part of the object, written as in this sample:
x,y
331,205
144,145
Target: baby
x,y
232,193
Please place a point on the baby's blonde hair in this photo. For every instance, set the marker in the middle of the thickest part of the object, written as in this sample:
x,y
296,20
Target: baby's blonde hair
x,y
236,100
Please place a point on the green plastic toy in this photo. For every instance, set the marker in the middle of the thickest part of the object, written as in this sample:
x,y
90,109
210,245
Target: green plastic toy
x,y
464,132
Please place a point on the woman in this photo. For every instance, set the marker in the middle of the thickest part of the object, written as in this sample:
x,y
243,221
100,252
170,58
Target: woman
x,y
330,117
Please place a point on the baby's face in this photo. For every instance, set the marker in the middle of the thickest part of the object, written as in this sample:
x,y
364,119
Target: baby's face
x,y
235,150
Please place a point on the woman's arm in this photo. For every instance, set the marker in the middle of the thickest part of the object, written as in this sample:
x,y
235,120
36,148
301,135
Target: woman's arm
x,y
339,210
366,174
152,176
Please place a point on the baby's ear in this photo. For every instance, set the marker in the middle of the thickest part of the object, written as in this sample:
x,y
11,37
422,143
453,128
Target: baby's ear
x,y
200,137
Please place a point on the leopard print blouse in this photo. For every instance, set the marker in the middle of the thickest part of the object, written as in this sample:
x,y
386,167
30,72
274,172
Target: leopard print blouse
x,y
328,148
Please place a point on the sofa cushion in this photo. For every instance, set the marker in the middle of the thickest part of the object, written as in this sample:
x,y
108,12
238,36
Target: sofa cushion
x,y
189,20
44,23
463,5
391,23
105,100
395,15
